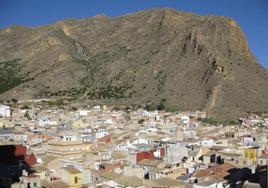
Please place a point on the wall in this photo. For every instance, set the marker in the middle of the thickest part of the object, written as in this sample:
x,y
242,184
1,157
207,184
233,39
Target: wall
x,y
144,155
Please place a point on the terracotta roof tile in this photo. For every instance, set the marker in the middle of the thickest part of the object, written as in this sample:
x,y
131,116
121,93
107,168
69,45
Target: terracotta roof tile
x,y
264,156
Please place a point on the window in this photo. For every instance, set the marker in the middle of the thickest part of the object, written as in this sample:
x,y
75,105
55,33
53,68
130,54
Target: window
x,y
76,180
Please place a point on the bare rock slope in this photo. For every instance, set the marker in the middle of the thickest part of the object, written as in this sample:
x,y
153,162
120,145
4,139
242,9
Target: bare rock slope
x,y
181,60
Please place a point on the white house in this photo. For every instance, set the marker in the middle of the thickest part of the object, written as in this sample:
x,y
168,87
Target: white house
x,y
66,133
207,142
248,140
141,141
46,121
96,108
5,111
189,133
101,132
176,151
185,120
263,159
20,136
6,134
83,112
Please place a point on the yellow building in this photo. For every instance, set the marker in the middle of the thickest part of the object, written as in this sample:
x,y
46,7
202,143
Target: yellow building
x,y
79,124
72,176
250,154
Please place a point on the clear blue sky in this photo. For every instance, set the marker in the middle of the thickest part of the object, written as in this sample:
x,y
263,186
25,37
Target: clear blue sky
x,y
252,15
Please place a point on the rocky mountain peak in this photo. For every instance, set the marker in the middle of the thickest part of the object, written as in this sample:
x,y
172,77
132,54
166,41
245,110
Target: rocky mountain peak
x,y
182,60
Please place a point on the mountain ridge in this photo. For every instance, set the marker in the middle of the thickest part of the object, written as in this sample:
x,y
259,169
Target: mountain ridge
x,y
182,60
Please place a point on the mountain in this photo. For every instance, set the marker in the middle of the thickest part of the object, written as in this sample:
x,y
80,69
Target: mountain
x,y
160,57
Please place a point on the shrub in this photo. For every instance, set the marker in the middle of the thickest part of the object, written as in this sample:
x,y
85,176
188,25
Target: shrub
x,y
208,120
27,115
141,121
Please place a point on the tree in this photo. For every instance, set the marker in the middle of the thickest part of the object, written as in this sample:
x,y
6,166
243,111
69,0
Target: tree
x,y
14,100
27,115
141,121
73,108
208,120
150,107
24,107
161,105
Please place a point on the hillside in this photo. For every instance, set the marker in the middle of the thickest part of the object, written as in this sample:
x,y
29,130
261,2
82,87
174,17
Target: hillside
x,y
180,60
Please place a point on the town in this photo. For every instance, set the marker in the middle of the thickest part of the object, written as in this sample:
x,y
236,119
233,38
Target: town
x,y
45,144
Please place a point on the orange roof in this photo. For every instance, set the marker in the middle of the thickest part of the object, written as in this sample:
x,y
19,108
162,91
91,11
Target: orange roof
x,y
105,139
44,136
220,176
203,173
226,166
264,156
216,172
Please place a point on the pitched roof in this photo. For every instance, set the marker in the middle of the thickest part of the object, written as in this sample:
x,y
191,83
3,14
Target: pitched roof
x,y
39,168
119,155
216,172
110,165
209,153
203,173
225,166
130,181
54,184
105,139
64,143
220,176
71,169
48,159
126,181
166,182
149,162
110,175
264,156
230,154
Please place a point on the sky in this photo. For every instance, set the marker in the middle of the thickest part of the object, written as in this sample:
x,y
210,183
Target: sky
x,y
251,15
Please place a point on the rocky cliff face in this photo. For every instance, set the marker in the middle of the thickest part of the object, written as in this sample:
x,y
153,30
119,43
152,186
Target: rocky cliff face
x,y
181,60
